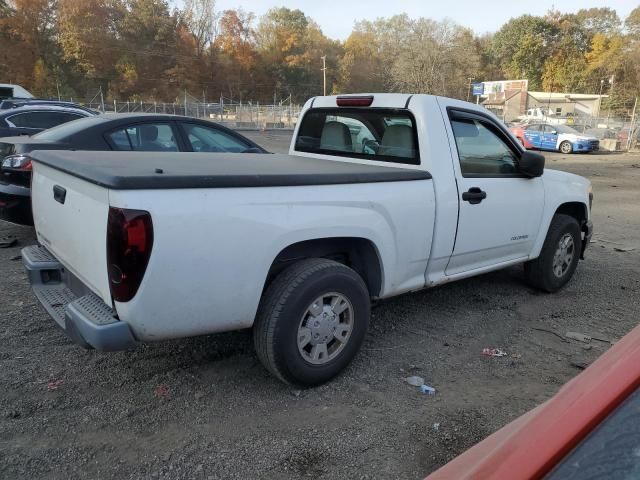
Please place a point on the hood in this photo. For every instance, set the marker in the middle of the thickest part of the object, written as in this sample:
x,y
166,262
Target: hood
x,y
573,137
566,178
587,138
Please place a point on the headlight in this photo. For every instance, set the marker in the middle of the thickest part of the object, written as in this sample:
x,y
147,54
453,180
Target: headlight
x,y
17,162
590,191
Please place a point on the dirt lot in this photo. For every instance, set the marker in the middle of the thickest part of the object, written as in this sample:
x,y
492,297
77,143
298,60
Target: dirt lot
x,y
205,408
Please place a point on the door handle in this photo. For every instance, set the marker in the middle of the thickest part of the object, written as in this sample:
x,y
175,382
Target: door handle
x,y
474,195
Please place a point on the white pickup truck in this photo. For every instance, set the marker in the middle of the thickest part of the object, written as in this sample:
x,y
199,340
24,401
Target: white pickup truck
x,y
380,195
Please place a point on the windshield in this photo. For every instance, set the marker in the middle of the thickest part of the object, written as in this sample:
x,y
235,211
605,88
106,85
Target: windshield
x,y
66,130
565,129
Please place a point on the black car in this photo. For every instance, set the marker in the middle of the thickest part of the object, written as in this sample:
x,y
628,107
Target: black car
x,y
29,119
8,103
123,131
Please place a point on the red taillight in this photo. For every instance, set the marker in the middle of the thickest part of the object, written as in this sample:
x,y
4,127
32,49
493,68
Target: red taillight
x,y
129,243
352,101
17,163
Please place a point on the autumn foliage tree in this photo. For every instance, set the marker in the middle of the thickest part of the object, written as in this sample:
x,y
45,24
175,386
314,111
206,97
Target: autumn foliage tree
x,y
157,50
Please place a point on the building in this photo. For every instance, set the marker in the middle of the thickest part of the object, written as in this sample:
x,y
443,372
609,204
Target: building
x,y
510,99
566,104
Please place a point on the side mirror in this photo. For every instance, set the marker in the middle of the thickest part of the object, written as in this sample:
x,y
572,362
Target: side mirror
x,y
531,164
554,132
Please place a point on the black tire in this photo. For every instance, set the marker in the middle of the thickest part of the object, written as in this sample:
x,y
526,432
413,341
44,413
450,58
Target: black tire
x,y
540,272
566,147
283,306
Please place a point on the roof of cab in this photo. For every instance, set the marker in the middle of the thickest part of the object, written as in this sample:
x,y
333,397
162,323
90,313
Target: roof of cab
x,y
380,100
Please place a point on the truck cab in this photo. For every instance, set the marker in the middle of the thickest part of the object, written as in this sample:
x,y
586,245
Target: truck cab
x,y
490,212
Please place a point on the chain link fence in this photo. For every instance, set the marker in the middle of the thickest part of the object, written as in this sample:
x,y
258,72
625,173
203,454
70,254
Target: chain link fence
x,y
616,133
233,115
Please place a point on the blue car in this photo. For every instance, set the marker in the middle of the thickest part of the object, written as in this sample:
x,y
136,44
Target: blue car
x,y
558,138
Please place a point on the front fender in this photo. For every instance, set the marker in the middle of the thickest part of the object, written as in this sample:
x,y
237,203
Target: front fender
x,y
560,188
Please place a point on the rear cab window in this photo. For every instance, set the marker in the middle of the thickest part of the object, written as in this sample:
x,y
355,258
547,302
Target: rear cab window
x,y
380,134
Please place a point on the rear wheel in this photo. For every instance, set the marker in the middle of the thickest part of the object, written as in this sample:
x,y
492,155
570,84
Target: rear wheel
x,y
566,147
311,321
559,256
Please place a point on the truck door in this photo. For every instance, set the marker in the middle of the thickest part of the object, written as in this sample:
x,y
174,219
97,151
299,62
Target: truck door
x,y
549,138
500,210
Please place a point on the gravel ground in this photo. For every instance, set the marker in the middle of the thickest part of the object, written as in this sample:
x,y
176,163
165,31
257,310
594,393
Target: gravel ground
x,y
204,408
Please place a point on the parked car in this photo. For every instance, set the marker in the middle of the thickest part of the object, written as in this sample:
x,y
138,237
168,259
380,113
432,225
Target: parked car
x,y
29,119
9,90
542,115
134,131
379,195
545,136
623,136
588,430
29,102
602,133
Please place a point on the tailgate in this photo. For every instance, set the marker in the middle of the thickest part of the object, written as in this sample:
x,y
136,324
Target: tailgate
x,y
70,217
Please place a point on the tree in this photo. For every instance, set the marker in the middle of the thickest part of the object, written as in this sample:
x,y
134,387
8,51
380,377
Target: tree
x,y
200,17
149,38
603,20
359,69
290,46
436,58
632,23
88,36
279,38
5,9
235,53
565,72
522,46
27,34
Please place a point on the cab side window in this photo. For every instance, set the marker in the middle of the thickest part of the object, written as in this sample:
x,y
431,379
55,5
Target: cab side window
x,y
481,150
146,137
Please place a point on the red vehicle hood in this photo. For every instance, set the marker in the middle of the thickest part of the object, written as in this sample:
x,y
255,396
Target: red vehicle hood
x,y
530,446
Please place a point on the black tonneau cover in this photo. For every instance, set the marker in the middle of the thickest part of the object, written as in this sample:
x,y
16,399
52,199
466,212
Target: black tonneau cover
x,y
168,170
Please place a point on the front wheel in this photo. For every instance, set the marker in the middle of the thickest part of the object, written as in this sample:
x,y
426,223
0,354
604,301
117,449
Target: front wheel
x,y
566,147
559,257
311,321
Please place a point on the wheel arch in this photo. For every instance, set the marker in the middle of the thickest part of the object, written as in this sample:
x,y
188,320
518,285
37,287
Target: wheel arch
x,y
358,253
573,208
577,210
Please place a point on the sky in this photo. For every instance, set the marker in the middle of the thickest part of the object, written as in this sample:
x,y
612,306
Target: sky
x,y
336,17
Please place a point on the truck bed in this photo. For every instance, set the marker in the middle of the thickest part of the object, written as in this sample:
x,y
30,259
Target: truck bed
x,y
174,170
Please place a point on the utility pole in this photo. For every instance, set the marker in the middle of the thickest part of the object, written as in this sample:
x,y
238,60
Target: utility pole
x,y
101,99
632,126
469,89
324,74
